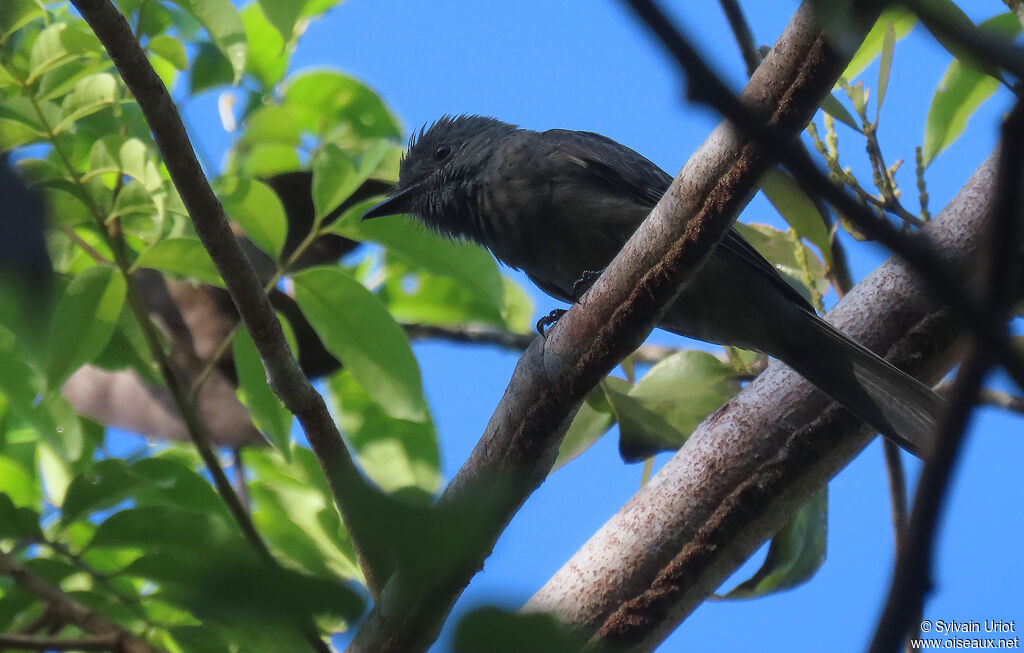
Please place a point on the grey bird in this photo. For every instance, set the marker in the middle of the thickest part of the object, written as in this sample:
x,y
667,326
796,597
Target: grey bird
x,y
560,204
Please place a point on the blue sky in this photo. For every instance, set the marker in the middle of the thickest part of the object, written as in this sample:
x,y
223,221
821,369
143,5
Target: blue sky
x,y
586,64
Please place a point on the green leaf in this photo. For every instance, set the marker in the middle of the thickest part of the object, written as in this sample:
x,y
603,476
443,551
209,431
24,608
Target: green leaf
x,y
961,92
17,484
87,97
642,432
184,257
885,66
395,453
336,175
16,522
358,329
171,49
592,421
59,44
48,413
268,413
20,123
221,20
323,100
781,250
269,159
686,387
258,210
83,321
271,124
294,508
797,209
471,266
54,471
210,68
125,156
415,296
152,481
282,14
835,108
165,528
795,553
902,21
15,14
268,59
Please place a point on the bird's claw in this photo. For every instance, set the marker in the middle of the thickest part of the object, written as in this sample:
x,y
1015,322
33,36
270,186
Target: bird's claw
x,y
549,320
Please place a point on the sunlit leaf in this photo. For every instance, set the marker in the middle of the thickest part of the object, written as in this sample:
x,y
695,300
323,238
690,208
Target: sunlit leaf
x,y
171,49
183,257
83,321
797,209
88,96
258,210
268,59
395,453
358,329
961,92
322,100
902,21
221,20
59,44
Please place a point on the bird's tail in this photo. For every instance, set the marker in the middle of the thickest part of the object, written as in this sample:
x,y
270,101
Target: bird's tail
x,y
894,403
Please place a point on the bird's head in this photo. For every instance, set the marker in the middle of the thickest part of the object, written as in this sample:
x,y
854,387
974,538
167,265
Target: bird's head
x,y
438,176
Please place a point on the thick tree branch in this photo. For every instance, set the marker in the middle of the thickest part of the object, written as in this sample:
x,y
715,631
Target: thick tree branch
x,y
554,375
705,87
71,611
747,469
283,372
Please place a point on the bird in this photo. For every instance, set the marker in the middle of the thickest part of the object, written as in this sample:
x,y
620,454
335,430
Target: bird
x,y
560,204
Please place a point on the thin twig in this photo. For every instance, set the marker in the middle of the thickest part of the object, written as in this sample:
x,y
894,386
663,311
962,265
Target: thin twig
x,y
742,33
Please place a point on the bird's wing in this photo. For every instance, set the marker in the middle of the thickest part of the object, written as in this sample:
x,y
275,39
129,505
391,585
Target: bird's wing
x,y
636,176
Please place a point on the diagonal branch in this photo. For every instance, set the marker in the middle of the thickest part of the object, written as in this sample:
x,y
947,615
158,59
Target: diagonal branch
x,y
745,471
554,375
283,372
944,284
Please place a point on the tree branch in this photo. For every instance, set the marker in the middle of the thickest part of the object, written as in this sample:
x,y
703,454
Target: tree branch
x,y
943,284
746,470
71,611
552,378
283,372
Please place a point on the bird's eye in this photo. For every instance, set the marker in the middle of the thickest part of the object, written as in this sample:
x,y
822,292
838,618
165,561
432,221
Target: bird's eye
x,y
442,152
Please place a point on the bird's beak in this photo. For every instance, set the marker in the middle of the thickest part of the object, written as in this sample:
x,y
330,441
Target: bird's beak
x,y
396,203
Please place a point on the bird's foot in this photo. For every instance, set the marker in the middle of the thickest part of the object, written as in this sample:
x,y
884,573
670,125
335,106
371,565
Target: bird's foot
x,y
549,320
583,284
